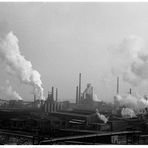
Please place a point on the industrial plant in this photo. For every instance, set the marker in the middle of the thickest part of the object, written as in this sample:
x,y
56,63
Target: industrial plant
x,y
85,122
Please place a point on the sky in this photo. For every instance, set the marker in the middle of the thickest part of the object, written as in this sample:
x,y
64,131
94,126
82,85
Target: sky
x,y
63,39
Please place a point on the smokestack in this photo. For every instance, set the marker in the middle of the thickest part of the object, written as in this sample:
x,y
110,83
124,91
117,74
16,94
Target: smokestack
x,y
77,95
79,87
52,93
130,91
34,99
56,95
48,95
117,85
92,93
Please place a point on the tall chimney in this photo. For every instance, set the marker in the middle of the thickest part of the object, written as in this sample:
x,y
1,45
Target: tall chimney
x,y
48,95
34,100
117,85
77,95
56,95
79,87
52,93
34,97
130,91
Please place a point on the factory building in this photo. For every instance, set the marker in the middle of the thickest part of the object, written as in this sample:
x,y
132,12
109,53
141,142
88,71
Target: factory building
x,y
51,105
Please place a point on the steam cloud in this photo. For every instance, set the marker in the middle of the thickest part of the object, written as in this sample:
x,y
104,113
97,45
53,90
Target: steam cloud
x,y
137,104
9,92
17,65
101,116
95,98
127,112
131,60
131,63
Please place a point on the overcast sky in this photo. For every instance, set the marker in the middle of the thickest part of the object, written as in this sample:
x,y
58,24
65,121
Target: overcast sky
x,y
63,39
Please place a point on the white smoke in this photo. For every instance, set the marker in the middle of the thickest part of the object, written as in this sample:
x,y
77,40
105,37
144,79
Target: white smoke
x,y
131,60
95,98
136,103
127,100
130,101
101,116
142,103
118,98
17,65
128,113
9,92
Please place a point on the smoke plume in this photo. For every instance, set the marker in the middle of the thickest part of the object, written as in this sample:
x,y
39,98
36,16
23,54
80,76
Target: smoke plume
x,y
127,112
95,98
135,103
17,65
9,92
131,60
101,116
